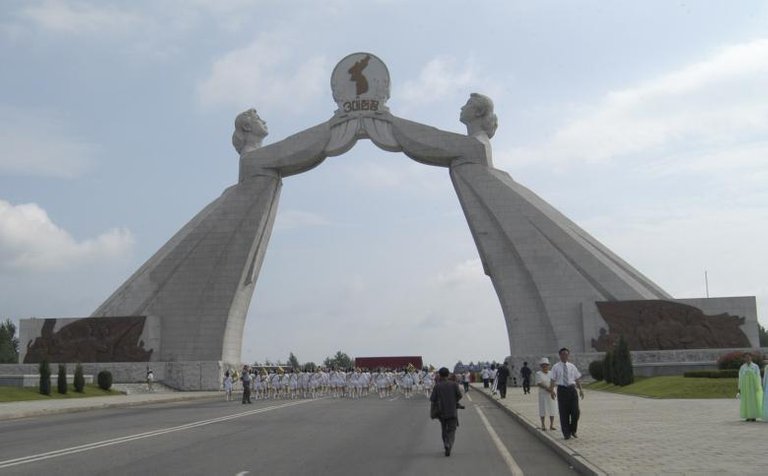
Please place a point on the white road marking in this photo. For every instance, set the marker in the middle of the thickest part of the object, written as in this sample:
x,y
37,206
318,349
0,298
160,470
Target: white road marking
x,y
139,436
514,469
243,473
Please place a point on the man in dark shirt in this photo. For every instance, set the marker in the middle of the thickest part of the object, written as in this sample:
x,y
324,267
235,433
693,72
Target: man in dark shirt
x,y
525,373
447,395
246,379
501,380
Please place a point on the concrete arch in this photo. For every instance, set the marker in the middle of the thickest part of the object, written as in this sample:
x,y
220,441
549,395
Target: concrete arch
x,y
197,288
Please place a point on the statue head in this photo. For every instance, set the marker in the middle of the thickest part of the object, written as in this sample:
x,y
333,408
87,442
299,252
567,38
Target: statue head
x,y
478,115
250,130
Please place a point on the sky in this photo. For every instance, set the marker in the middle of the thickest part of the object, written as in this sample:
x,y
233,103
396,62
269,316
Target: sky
x,y
644,122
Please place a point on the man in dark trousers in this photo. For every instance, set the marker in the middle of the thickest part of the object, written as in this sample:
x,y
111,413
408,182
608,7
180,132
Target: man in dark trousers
x,y
567,377
501,380
525,373
246,379
447,395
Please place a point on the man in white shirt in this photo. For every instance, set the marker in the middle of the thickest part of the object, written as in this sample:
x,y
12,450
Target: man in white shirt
x,y
567,377
486,375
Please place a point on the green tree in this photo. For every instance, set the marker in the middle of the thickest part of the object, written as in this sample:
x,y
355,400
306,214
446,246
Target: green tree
x,y
9,343
61,381
608,366
45,377
293,362
340,360
623,373
763,335
79,382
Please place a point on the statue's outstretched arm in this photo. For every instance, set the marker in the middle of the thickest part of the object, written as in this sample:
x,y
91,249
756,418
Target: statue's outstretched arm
x,y
430,145
293,155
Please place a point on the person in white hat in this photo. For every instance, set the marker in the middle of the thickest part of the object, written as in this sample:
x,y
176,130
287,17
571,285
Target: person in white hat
x,y
547,404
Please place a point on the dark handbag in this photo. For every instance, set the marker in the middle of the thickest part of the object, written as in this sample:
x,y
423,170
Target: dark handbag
x,y
434,410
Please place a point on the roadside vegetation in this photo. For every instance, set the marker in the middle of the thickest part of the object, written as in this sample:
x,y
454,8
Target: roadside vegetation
x,y
16,394
673,387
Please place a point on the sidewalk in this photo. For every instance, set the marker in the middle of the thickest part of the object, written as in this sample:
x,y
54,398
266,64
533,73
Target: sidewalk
x,y
12,410
621,434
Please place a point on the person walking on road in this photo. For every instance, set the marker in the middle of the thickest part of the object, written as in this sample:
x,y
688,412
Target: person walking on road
x,y
246,379
446,395
547,405
525,373
750,390
227,383
486,375
502,374
567,377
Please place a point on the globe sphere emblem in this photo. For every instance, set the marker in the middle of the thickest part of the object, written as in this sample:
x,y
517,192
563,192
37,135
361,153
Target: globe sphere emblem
x,y
360,84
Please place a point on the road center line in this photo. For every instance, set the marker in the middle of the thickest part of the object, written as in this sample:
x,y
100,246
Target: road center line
x,y
139,436
514,469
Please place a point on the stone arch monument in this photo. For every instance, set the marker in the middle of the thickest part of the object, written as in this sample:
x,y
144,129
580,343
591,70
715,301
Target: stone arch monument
x,y
548,273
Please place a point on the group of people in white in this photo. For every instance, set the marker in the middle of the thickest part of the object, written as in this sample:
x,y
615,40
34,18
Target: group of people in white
x,y
338,383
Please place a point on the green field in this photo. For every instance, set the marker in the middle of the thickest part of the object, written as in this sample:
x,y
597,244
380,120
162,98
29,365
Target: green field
x,y
15,394
674,387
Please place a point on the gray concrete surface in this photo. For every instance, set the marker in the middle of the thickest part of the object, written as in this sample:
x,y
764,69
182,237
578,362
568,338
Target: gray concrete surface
x,y
621,434
375,436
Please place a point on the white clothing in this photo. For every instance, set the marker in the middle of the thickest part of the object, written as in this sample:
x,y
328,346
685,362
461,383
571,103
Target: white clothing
x,y
559,374
547,405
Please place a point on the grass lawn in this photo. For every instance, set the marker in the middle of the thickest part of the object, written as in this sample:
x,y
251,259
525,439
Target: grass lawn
x,y
674,387
15,394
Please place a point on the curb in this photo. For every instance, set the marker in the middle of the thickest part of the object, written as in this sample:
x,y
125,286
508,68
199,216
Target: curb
x,y
580,463
97,406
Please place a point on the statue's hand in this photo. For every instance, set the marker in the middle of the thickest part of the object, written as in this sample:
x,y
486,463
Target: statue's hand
x,y
339,118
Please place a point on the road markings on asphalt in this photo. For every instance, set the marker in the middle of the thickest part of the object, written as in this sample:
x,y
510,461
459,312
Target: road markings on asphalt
x,y
514,469
125,439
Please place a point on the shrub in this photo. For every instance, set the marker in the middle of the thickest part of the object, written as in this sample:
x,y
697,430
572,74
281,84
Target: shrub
x,y
733,360
596,370
61,381
728,373
45,378
79,382
608,366
105,379
623,373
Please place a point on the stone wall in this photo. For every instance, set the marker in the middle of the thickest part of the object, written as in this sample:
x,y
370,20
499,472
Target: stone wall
x,y
185,376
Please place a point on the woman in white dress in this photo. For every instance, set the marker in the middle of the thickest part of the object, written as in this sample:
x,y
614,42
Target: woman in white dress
x,y
228,386
259,385
547,404
428,383
382,383
406,383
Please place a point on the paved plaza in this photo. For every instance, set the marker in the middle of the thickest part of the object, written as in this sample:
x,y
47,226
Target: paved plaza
x,y
621,434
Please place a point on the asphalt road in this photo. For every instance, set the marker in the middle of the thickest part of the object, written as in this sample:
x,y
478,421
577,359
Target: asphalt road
x,y
327,436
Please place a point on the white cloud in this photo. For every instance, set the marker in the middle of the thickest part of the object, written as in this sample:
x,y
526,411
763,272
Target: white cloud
x,y
719,102
263,74
674,243
376,175
469,272
440,77
80,17
36,143
30,241
293,219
